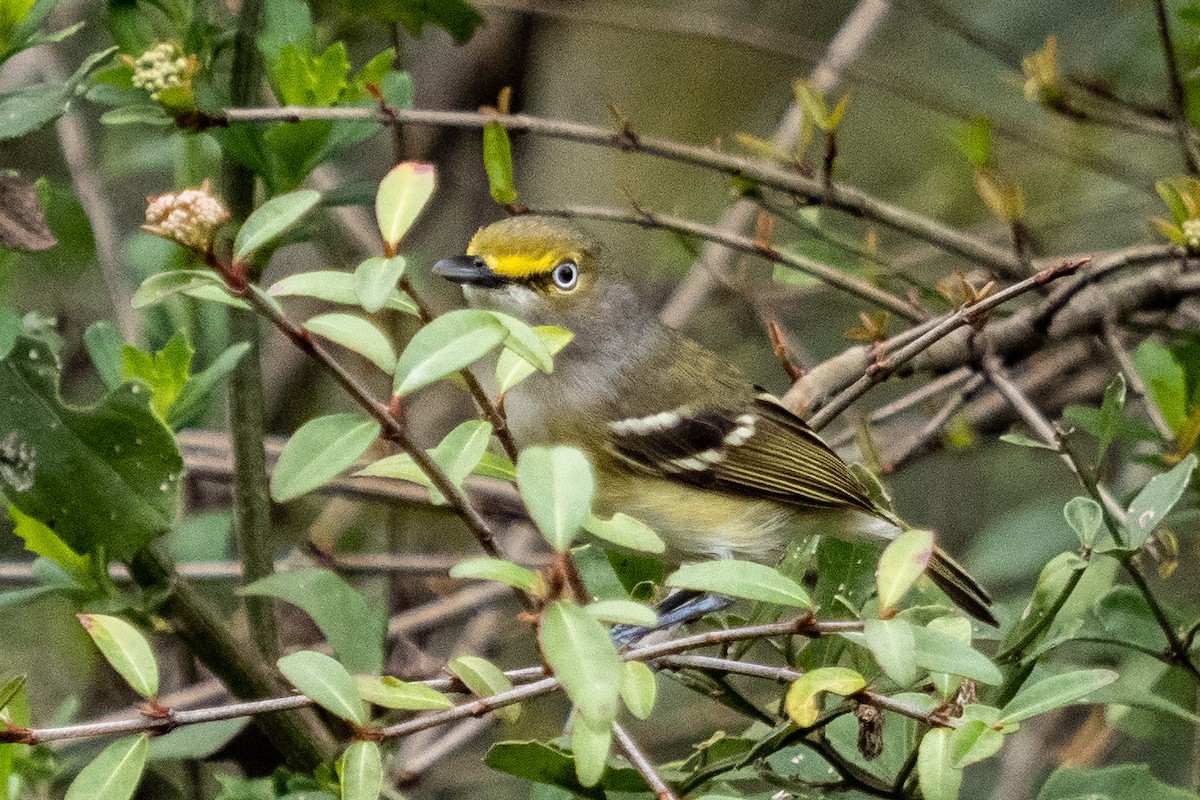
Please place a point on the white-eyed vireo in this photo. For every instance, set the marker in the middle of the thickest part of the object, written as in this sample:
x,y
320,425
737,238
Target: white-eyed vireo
x,y
679,438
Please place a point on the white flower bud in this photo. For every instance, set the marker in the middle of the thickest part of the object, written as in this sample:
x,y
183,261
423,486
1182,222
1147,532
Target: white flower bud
x,y
190,217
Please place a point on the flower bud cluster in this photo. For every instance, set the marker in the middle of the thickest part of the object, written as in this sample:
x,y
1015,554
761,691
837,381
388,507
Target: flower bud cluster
x,y
161,67
190,217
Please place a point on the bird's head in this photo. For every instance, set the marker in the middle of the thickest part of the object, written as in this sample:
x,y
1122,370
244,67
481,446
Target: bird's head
x,y
538,269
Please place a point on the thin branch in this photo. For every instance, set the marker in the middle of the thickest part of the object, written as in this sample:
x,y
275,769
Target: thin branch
x,y
823,272
1177,95
642,763
926,391
1112,339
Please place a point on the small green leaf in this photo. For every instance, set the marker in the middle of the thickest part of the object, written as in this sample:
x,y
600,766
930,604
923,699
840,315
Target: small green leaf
x,y
745,579
1021,440
126,650
402,194
375,280
1165,380
484,679
556,485
902,562
41,540
357,334
1118,782
801,701
165,372
458,454
448,344
625,531
361,771
639,689
326,682
938,652
317,452
939,779
104,345
973,742
159,287
496,569
511,369
390,692
583,658
497,160
114,774
622,612
1156,500
335,287
1085,517
272,219
590,745
10,688
525,342
895,648
200,385
1112,414
1055,692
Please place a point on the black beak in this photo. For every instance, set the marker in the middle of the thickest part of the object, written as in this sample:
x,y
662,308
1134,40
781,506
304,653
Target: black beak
x,y
468,270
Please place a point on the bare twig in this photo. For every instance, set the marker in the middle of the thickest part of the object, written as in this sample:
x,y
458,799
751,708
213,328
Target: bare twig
x,y
1178,97
926,391
642,763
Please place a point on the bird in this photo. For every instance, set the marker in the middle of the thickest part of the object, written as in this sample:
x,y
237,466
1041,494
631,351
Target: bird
x,y
678,437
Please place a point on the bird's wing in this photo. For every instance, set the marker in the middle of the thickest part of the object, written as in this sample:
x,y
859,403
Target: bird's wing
x,y
759,449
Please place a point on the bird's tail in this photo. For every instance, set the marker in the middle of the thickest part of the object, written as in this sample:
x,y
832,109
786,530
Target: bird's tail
x,y
964,590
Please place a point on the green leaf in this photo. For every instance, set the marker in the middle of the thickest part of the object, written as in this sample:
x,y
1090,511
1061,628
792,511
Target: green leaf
x,y
590,745
545,764
1120,782
197,389
496,569
457,454
271,220
525,342
1112,414
745,579
625,531
894,646
1085,517
159,287
457,17
801,702
1165,381
357,334
902,562
556,485
361,771
27,109
126,650
939,779
622,612
42,541
10,688
938,652
639,689
1156,500
353,625
326,682
402,195
583,658
165,372
1021,440
497,160
485,679
114,774
974,741
511,368
104,345
1055,692
390,692
334,287
317,452
446,345
375,281
106,476
195,742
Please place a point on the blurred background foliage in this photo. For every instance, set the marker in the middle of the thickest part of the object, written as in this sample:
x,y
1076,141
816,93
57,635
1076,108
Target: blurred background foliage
x,y
698,72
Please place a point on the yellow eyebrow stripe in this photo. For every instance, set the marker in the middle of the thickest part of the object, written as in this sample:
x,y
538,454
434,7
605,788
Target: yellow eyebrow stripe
x,y
520,265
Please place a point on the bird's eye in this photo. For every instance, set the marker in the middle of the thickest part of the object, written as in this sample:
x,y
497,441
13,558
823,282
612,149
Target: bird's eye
x,y
565,275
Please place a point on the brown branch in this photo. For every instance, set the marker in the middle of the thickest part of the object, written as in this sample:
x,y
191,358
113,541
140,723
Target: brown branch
x,y
642,763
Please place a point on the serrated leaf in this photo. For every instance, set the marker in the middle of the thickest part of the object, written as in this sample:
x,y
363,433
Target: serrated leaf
x,y
902,562
625,531
326,682
556,485
321,449
496,569
126,650
353,625
485,679
1054,692
361,771
894,646
590,745
41,540
114,774
1085,517
390,692
446,345
939,779
1156,500
511,368
402,195
801,702
159,287
622,612
357,334
272,219
497,162
583,658
375,280
745,579
639,690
